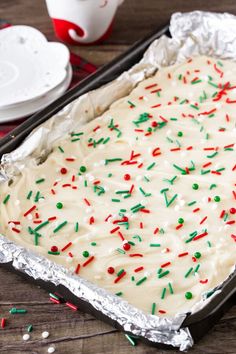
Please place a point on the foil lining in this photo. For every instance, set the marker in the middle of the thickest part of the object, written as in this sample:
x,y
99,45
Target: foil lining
x,y
194,33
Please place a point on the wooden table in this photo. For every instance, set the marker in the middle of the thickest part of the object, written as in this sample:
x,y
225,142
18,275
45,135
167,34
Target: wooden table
x,y
70,332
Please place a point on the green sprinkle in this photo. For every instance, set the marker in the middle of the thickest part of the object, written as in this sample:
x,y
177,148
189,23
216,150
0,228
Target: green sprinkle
x,y
188,295
141,281
54,296
163,274
122,192
120,251
82,169
60,148
59,227
132,342
217,199
153,308
212,186
30,328
85,254
115,200
163,293
195,186
36,239
197,255
119,293
182,102
188,272
154,245
59,205
172,200
181,221
76,227
74,140
131,104
195,107
170,288
195,82
6,199
212,84
120,272
77,134
226,216
192,203
212,155
41,225
107,161
144,193
205,172
209,243
151,166
196,269
85,183
171,181
109,175
93,244
40,180
180,134
29,195
14,311
183,172
54,253
106,140
139,238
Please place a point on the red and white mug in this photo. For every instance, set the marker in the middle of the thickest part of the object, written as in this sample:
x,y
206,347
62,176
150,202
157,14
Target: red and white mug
x,y
82,21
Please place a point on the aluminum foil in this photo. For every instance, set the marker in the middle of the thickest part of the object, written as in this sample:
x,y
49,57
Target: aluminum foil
x,y
194,33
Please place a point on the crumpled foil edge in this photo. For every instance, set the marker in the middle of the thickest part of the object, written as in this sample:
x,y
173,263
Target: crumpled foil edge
x,y
194,33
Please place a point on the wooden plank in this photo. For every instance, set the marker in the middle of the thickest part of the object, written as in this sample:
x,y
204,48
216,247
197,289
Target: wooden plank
x,y
75,332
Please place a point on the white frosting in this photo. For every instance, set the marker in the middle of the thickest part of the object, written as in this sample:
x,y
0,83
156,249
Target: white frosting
x,y
93,196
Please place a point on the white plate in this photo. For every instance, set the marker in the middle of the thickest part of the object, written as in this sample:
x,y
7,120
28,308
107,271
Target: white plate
x,y
28,108
30,66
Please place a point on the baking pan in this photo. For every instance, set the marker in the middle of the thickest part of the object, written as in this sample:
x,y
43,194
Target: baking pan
x,y
201,321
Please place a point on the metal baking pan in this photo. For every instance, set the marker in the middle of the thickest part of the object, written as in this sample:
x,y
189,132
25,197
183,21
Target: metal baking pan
x,y
198,323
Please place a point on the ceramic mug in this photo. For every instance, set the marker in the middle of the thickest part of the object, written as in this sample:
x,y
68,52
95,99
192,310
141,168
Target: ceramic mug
x,y
82,21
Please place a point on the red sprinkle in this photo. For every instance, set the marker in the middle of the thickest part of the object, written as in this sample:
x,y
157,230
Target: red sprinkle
x,y
232,210
114,230
66,246
63,170
165,264
54,300
3,322
119,277
127,177
126,246
183,254
203,220
203,281
54,249
87,202
200,236
88,261
136,255
30,210
77,269
72,306
138,269
110,270
15,230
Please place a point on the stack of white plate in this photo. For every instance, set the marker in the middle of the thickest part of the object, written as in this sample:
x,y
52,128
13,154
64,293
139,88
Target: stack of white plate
x,y
33,72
